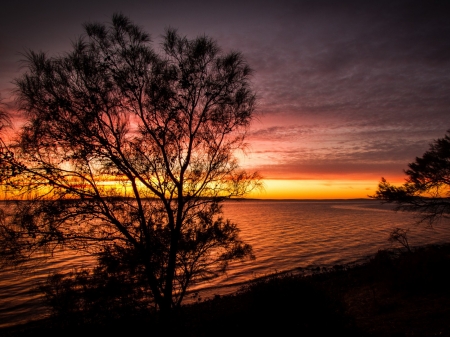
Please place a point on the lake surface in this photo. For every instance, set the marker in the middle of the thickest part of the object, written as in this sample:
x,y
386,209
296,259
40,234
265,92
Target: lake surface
x,y
287,236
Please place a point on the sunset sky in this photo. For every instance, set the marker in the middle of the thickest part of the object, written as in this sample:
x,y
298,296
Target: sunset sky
x,y
348,91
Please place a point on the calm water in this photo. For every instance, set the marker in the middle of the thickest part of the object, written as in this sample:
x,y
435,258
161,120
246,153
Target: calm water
x,y
285,235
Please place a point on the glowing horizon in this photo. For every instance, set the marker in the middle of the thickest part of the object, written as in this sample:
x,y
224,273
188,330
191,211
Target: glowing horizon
x,y
316,189
283,178
279,189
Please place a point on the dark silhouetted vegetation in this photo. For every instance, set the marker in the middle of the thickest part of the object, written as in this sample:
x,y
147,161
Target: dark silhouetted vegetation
x,y
427,186
5,120
393,294
400,235
127,153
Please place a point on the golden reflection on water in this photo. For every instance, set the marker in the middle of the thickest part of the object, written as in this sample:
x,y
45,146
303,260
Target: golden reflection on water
x,y
285,235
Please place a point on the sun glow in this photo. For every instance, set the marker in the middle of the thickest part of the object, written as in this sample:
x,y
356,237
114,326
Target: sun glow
x,y
272,189
316,189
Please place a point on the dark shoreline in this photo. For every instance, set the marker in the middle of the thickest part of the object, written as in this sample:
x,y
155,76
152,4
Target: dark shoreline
x,y
393,294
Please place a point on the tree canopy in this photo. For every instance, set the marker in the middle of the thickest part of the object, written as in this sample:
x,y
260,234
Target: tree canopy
x,y
127,153
4,117
427,186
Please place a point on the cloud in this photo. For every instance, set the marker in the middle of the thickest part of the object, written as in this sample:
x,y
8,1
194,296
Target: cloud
x,y
344,87
280,133
341,150
352,58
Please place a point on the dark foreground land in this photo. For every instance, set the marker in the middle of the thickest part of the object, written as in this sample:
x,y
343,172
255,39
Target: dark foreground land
x,y
393,294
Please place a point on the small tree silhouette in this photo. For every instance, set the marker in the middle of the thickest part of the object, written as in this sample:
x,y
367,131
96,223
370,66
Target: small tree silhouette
x,y
427,187
400,235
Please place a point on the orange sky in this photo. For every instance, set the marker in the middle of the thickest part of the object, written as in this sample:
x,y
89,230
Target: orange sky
x,y
347,92
316,189
311,164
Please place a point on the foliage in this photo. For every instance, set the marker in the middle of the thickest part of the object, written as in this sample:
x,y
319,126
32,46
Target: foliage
x,y
103,294
128,153
400,235
5,121
427,186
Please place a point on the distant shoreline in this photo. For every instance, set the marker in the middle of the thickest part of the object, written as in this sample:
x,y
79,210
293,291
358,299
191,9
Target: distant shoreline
x,y
224,200
338,199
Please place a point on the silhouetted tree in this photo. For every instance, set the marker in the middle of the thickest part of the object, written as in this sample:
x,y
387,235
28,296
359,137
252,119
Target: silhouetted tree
x,y
400,235
127,153
427,186
5,120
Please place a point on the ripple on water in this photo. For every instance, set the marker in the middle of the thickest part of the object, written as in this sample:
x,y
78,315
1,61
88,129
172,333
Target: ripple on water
x,y
285,235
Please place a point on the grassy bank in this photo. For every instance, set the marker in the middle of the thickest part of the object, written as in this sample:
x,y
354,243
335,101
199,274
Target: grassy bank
x,y
394,294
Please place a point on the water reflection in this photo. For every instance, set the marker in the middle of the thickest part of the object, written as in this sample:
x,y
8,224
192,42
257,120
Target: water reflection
x,y
285,235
